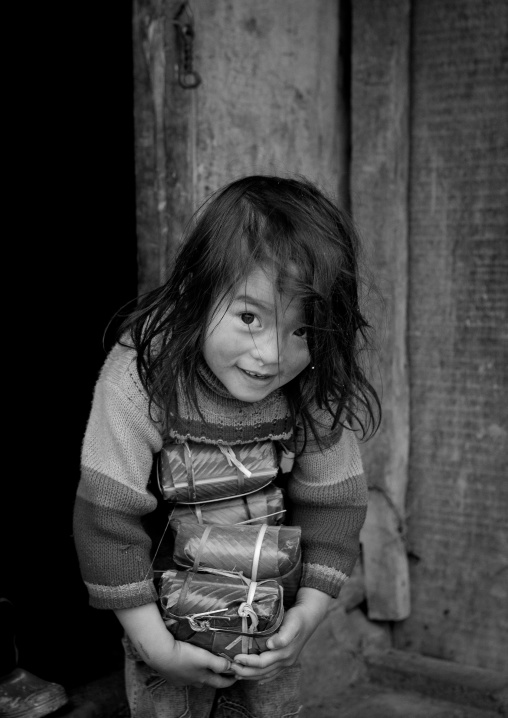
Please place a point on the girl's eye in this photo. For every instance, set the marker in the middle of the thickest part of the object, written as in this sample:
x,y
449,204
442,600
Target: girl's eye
x,y
247,317
301,332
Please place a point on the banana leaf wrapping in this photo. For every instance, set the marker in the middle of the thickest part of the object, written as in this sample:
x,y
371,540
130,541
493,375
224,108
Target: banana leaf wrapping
x,y
220,611
189,472
263,506
233,548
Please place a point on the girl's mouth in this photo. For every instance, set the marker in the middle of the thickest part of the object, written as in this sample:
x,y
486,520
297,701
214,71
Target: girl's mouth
x,y
255,375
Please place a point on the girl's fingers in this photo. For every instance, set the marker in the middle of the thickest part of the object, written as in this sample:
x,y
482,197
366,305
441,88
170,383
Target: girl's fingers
x,y
222,665
247,673
263,660
217,664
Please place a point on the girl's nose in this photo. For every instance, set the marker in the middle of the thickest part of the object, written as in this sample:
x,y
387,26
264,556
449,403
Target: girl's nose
x,y
268,348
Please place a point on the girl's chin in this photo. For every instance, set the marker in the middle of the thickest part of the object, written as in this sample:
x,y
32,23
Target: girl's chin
x,y
246,387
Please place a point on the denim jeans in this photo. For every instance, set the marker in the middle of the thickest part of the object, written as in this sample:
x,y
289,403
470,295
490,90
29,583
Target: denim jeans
x,y
149,695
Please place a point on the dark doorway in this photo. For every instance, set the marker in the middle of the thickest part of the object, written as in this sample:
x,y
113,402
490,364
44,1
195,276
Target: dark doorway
x,y
73,265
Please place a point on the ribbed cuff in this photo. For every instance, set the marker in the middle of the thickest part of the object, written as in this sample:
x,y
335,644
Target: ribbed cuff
x,y
323,578
117,597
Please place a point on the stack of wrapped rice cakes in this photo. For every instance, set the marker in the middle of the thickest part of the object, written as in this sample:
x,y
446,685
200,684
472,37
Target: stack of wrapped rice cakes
x,y
233,566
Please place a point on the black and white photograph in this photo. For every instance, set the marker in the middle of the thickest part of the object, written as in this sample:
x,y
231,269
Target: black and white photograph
x,y
256,353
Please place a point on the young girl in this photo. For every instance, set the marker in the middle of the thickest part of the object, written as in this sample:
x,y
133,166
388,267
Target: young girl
x,y
255,336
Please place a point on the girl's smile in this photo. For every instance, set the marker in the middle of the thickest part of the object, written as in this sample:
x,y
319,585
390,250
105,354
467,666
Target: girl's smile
x,y
254,375
256,341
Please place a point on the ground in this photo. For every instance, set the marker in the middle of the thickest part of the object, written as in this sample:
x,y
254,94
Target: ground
x,y
350,671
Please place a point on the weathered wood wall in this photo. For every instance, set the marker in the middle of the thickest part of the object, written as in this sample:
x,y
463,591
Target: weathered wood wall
x,y
429,192
270,101
458,330
379,198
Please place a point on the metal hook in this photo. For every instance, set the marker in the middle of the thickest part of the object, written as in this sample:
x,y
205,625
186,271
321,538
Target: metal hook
x,y
183,21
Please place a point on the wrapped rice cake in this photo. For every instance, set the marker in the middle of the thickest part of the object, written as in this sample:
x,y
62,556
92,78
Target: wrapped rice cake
x,y
190,472
239,548
263,506
210,610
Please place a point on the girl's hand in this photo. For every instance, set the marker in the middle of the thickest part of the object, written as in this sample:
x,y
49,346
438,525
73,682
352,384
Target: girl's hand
x,y
284,647
181,664
186,664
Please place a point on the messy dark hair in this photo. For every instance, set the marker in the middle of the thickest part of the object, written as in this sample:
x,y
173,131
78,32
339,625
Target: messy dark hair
x,y
292,226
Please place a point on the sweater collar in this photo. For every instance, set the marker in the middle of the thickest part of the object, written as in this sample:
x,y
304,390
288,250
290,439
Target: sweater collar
x,y
226,419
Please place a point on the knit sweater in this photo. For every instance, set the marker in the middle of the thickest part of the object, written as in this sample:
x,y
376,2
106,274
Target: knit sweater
x,y
327,488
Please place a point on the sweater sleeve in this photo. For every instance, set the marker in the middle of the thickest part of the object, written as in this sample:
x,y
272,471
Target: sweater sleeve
x,y
329,496
112,497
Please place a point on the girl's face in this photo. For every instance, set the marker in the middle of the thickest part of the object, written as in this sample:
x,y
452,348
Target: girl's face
x,y
256,343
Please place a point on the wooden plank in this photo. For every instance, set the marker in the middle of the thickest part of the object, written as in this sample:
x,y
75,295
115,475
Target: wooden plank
x,y
458,341
146,15
180,144
379,182
163,141
384,560
457,683
270,102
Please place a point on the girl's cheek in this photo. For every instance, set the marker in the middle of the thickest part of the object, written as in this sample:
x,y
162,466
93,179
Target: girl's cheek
x,y
301,359
303,351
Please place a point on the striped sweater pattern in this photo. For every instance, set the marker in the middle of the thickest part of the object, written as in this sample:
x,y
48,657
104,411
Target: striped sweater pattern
x,y
327,488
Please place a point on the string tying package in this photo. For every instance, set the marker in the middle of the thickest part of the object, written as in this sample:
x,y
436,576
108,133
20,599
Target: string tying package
x,y
233,569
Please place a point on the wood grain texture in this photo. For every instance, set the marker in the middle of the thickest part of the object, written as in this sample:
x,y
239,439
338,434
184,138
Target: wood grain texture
x,y
270,101
164,141
458,494
379,181
147,218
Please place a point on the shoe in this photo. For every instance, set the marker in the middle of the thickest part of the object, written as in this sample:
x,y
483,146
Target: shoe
x,y
23,695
